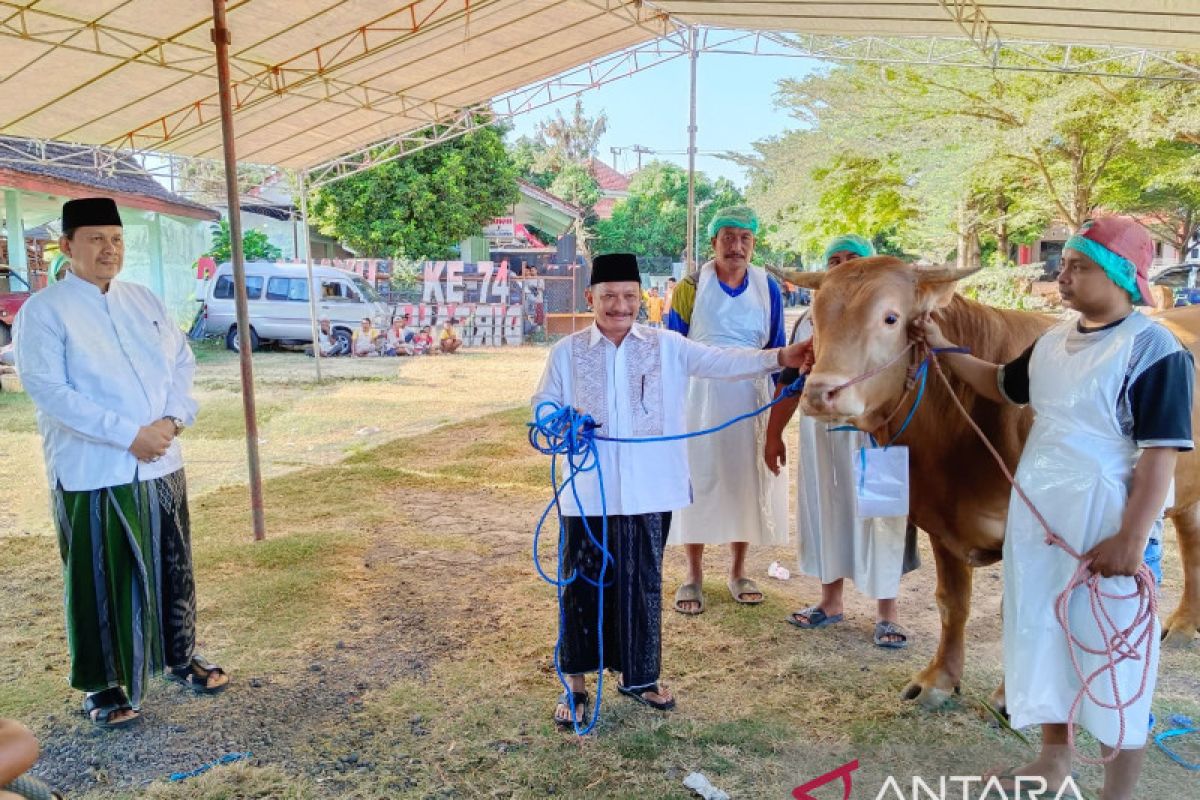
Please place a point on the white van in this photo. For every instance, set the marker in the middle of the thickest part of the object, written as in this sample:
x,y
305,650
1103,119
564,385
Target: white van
x,y
278,303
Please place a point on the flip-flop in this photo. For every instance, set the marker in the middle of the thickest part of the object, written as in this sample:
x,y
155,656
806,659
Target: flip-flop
x,y
639,696
742,586
689,592
816,618
581,699
194,675
886,627
100,707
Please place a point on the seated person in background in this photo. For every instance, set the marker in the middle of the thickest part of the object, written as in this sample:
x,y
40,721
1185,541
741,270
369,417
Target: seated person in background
x,y
18,752
423,341
363,343
398,341
449,338
330,344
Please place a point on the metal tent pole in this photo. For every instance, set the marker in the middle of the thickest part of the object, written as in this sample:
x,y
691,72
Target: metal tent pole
x,y
312,286
221,38
693,57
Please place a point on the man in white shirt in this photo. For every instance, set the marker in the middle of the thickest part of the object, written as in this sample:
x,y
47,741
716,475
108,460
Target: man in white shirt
x,y
632,380
110,374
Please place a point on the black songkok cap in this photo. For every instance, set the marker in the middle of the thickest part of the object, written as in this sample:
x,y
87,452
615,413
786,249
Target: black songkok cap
x,y
89,211
613,267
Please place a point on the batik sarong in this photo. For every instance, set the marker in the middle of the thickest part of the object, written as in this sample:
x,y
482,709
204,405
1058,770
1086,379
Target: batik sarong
x,y
632,597
129,590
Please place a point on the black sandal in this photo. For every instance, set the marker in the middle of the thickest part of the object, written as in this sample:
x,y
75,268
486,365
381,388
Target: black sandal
x,y
101,706
581,700
639,695
195,675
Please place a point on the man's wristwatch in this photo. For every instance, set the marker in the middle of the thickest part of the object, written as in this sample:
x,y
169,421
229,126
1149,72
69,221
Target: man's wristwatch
x,y
178,423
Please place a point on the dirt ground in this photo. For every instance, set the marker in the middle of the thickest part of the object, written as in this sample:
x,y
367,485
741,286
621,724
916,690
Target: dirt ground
x,y
391,638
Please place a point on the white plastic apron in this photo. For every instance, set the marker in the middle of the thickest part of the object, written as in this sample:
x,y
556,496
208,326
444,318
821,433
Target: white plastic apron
x,y
735,497
831,542
1076,468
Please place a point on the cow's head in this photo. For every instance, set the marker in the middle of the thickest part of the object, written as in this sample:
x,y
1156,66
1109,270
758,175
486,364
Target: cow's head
x,y
861,313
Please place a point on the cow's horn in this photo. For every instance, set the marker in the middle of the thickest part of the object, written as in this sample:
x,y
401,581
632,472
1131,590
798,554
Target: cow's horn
x,y
805,280
945,274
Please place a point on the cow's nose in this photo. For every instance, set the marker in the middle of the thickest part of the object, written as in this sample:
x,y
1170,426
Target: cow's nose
x,y
824,397
819,392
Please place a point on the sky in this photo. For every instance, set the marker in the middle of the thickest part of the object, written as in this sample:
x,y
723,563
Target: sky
x,y
735,108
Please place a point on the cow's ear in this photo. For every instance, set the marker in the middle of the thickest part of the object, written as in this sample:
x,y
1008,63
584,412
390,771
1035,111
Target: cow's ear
x,y
935,287
805,280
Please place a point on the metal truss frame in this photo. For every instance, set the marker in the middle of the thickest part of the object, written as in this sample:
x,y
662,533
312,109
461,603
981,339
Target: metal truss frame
x,y
447,123
1107,61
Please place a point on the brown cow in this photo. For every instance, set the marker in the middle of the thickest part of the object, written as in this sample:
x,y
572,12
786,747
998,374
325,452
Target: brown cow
x,y
959,496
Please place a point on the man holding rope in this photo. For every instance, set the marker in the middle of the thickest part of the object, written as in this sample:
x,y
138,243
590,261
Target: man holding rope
x,y
631,379
1112,395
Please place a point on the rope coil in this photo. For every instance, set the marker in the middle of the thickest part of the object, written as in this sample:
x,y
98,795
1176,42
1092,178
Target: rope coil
x,y
566,432
1121,643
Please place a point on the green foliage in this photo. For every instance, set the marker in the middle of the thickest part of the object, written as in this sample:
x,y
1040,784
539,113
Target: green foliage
x,y
255,245
575,184
1004,286
652,221
421,206
949,157
1161,184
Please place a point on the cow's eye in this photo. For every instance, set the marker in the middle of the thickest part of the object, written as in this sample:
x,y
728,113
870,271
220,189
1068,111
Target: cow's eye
x,y
891,319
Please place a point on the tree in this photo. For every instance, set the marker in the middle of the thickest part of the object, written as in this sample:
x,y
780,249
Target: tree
x,y
652,221
1161,185
967,159
204,181
422,205
255,245
571,141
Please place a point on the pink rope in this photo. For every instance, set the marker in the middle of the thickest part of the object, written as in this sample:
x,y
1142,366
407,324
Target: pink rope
x,y
1121,644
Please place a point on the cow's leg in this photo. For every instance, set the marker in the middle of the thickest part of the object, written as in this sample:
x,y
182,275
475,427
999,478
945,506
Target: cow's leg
x,y
1184,621
933,685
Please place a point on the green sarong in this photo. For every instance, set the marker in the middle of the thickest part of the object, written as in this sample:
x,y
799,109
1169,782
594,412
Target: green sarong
x,y
128,584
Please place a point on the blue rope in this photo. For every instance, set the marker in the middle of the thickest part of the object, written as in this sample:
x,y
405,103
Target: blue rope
x,y
228,758
563,431
1186,726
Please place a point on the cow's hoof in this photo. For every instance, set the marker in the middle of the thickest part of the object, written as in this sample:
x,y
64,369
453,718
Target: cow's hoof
x,y
1180,629
998,701
929,697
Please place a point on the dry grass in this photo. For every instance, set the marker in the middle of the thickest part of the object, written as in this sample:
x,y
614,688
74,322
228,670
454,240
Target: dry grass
x,y
419,547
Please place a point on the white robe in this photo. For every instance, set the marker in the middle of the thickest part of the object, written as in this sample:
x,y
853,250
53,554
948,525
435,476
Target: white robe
x,y
1076,468
831,541
735,497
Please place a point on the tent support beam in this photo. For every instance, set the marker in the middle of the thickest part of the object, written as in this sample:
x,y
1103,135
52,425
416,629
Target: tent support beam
x,y
221,38
312,285
689,241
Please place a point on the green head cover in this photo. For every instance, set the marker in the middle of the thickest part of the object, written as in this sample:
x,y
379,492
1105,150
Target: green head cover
x,y
733,217
852,243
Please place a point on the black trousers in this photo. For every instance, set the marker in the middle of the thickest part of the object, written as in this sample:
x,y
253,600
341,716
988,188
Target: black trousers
x,y
632,597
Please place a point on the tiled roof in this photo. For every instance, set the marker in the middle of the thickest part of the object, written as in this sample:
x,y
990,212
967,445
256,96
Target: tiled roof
x,y
608,178
75,164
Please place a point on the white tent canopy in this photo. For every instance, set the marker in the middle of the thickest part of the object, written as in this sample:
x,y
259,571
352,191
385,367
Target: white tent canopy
x,y
311,85
315,79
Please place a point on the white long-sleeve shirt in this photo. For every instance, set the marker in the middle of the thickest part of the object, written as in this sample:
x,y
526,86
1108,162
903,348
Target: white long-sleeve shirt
x,y
638,390
99,366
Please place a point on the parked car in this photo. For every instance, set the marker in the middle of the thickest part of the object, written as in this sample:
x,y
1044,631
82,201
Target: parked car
x,y
277,298
14,291
1180,279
